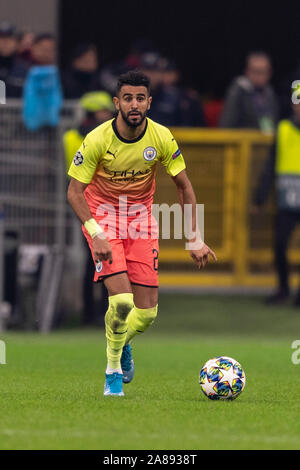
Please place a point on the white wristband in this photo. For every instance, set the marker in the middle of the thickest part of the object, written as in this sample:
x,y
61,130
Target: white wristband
x,y
197,244
93,228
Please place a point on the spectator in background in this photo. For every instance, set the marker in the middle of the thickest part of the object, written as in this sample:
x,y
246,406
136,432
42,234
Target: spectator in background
x,y
172,105
191,110
283,169
25,42
251,101
162,111
138,48
8,51
98,108
16,57
110,73
151,64
82,75
43,50
165,106
42,96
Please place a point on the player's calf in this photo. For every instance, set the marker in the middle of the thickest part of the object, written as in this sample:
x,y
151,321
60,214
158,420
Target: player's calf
x,y
139,320
116,329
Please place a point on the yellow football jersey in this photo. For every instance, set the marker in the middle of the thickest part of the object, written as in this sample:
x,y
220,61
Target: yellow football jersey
x,y
113,166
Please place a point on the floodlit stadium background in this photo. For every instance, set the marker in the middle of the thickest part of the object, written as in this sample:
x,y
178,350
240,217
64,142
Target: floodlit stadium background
x,y
51,385
224,165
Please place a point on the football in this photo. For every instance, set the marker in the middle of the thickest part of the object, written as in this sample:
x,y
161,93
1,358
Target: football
x,y
222,378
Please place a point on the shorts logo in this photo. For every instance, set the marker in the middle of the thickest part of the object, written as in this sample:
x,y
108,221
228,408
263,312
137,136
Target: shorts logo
x,y
99,266
78,159
149,154
176,154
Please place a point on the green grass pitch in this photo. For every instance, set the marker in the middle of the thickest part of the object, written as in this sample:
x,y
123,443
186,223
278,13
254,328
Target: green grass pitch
x,y
51,388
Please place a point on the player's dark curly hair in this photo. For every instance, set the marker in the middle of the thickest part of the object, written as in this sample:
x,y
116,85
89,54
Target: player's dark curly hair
x,y
133,78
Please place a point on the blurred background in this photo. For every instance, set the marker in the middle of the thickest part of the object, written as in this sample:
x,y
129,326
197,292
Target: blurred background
x,y
221,79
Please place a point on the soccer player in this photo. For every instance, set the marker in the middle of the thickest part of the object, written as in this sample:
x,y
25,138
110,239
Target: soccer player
x,y
113,174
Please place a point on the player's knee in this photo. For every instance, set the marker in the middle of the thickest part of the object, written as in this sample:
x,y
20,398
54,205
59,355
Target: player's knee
x,y
150,314
121,305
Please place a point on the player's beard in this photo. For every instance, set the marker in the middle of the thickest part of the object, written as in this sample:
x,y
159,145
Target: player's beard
x,y
136,122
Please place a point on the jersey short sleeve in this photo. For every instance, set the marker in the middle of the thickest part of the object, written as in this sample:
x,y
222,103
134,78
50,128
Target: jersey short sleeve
x,y
172,158
86,160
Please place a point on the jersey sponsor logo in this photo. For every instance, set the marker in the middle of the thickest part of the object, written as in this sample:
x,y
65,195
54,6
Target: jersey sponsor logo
x,y
99,266
149,154
126,173
176,154
78,159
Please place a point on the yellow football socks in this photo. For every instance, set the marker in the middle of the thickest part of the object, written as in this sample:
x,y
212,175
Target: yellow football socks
x,y
139,319
116,324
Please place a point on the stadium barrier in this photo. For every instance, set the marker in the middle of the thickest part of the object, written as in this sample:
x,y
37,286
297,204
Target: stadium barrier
x,y
33,208
225,167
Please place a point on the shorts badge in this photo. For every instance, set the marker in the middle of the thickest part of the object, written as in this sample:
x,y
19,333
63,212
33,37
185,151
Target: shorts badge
x,y
99,266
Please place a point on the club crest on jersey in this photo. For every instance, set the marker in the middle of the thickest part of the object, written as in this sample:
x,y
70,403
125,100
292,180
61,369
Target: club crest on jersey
x,y
149,154
99,266
78,159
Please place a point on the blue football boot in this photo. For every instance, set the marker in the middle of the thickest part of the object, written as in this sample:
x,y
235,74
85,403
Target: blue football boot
x,y
113,385
127,364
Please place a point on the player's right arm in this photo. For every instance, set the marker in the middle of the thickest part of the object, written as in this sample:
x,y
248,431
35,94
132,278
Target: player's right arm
x,y
101,246
77,200
81,172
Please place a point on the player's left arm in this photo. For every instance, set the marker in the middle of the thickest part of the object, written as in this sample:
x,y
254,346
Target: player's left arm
x,y
200,252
